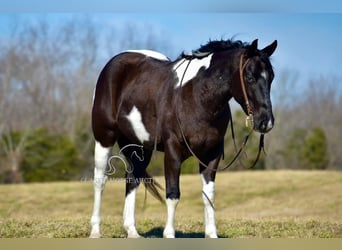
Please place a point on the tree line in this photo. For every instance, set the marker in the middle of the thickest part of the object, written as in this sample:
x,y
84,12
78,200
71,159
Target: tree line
x,y
47,76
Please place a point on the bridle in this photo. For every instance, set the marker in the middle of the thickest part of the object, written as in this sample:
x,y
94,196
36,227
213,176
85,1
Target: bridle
x,y
249,119
249,122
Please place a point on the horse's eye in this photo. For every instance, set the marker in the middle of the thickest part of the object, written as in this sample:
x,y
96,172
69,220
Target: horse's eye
x,y
249,78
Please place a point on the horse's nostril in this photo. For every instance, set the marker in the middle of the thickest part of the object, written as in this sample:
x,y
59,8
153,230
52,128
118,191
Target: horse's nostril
x,y
266,125
269,125
263,126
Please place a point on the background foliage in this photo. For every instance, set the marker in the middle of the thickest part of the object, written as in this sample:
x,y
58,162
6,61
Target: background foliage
x,y
47,76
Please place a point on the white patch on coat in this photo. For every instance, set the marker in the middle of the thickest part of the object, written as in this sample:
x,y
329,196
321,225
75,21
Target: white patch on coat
x,y
134,117
169,231
150,53
209,212
190,71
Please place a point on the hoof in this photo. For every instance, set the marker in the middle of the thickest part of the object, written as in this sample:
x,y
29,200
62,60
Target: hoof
x,y
95,235
169,233
169,236
134,236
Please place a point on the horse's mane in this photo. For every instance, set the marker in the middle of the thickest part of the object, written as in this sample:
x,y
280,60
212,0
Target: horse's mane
x,y
221,45
213,46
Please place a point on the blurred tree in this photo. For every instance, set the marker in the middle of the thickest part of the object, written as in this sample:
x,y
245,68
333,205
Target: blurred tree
x,y
50,157
11,156
304,105
306,149
44,157
292,152
315,154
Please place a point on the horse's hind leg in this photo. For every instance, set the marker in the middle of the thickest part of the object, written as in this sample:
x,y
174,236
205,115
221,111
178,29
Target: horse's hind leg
x,y
101,157
138,159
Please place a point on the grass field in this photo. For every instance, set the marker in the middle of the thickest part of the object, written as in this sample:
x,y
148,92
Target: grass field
x,y
287,204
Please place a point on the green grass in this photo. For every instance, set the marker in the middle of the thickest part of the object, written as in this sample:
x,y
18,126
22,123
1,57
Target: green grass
x,y
272,204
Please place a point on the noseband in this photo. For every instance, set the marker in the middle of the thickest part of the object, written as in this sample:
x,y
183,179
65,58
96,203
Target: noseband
x,y
249,119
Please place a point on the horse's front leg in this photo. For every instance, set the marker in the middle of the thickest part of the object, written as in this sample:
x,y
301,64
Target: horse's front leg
x,y
208,195
172,165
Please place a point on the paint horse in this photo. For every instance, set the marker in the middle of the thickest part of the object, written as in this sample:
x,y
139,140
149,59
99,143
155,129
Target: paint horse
x,y
180,108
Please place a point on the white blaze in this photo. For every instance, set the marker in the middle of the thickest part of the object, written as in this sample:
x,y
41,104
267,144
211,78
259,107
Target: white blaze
x,y
134,117
264,75
191,70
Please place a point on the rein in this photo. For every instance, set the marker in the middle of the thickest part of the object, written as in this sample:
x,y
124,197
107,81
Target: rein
x,y
249,121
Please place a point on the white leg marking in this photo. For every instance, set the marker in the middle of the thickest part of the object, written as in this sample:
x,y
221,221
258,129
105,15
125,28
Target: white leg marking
x,y
192,70
128,215
101,157
169,231
150,53
135,119
209,212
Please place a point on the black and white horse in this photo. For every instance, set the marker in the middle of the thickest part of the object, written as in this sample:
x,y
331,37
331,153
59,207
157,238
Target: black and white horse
x,y
180,108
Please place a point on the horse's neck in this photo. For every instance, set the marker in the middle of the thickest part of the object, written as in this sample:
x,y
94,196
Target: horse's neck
x,y
215,91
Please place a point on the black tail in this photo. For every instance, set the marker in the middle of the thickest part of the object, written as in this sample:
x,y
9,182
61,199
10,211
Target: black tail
x,y
152,186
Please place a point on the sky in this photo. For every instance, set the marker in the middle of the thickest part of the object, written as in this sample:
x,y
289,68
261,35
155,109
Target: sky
x,y
175,5
309,35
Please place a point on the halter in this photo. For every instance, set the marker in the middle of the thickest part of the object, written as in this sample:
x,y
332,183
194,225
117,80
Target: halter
x,y
249,119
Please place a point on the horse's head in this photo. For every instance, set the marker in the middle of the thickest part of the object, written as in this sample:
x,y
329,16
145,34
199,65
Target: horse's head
x,y
252,92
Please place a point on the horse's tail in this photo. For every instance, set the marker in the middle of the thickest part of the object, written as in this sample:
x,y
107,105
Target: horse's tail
x,y
152,186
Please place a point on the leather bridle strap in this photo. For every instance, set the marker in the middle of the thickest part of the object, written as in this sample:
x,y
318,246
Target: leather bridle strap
x,y
249,118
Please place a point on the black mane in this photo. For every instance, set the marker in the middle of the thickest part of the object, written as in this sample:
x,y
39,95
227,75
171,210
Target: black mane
x,y
215,46
221,45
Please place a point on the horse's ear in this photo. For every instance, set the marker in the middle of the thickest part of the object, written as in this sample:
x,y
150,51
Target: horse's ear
x,y
270,48
252,49
254,44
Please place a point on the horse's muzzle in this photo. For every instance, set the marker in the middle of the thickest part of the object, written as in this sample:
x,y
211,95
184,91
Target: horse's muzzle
x,y
264,126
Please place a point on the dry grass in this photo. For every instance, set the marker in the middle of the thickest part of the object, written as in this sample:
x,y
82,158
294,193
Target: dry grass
x,y
248,204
